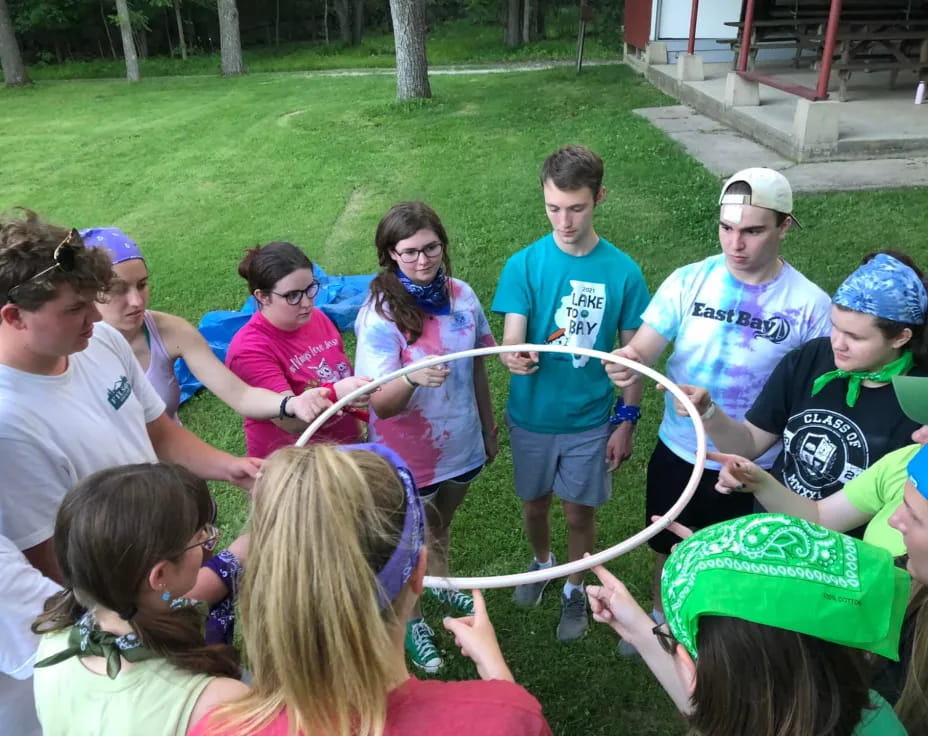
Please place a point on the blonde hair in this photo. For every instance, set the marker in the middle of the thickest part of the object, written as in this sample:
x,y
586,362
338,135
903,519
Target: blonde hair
x,y
324,521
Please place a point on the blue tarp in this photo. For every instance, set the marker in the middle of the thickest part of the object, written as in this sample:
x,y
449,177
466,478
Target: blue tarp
x,y
339,297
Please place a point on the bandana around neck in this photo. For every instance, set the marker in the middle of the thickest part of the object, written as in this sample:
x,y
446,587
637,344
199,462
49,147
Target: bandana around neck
x,y
432,298
899,367
790,574
87,640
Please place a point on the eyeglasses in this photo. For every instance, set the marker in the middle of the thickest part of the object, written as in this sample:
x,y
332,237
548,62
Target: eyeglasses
x,y
208,544
64,258
667,640
295,297
411,256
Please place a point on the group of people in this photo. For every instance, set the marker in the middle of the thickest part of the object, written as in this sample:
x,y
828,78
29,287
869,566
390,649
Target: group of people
x,y
116,602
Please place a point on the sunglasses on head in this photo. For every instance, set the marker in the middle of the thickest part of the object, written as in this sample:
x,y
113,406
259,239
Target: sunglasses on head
x,y
64,257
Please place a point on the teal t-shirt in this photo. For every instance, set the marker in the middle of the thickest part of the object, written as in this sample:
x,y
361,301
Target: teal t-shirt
x,y
881,721
581,301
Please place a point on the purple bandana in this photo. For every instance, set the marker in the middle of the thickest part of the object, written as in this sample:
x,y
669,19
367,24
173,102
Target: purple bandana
x,y
115,241
395,574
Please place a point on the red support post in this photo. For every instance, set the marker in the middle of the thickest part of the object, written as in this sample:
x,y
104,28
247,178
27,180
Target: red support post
x,y
747,31
828,52
691,46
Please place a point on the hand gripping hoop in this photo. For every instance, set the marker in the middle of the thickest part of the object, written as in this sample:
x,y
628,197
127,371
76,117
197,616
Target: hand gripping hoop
x,y
559,571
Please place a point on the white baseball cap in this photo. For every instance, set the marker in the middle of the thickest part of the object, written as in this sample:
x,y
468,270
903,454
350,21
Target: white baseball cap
x,y
769,189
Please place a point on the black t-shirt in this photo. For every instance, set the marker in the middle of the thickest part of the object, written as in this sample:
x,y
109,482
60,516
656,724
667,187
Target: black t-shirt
x,y
826,443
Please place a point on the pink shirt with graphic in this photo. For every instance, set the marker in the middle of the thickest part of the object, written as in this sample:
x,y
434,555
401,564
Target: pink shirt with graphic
x,y
485,707
438,433
266,356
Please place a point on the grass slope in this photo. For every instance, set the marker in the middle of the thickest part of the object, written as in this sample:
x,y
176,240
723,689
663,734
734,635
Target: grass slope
x,y
197,169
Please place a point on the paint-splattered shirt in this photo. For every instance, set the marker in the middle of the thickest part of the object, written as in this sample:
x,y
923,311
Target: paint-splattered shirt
x,y
729,336
438,433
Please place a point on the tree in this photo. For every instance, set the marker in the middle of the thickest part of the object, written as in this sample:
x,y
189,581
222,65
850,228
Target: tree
x,y
14,72
412,70
180,30
230,39
128,42
513,35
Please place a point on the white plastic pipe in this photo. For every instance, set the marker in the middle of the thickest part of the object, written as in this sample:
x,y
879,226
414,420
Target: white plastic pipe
x,y
559,571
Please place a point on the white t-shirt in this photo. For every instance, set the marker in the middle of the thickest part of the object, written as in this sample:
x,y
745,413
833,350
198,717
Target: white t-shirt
x,y
56,430
23,591
438,433
728,337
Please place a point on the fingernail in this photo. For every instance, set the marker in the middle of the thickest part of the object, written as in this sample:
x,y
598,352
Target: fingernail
x,y
446,618
739,486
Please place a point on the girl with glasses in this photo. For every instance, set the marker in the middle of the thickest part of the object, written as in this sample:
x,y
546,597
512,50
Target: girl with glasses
x,y
158,339
290,347
336,565
123,649
440,419
769,619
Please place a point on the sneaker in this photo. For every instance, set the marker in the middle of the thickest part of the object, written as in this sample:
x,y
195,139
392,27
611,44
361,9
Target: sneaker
x,y
574,621
421,648
459,601
530,594
627,650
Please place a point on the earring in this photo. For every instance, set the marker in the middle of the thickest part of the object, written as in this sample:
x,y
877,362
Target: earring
x,y
166,595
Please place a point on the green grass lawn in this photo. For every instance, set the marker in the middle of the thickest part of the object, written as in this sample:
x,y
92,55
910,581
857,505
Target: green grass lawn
x,y
196,169
455,42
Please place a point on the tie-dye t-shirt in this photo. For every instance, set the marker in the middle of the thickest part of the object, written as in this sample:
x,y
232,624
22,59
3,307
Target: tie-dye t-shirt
x,y
582,301
728,337
438,433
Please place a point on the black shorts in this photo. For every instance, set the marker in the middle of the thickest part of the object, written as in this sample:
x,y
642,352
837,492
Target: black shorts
x,y
460,479
667,477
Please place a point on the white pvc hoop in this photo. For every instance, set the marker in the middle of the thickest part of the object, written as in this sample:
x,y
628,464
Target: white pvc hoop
x,y
569,568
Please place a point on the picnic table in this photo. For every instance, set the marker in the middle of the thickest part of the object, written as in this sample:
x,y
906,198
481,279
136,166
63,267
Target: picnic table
x,y
865,42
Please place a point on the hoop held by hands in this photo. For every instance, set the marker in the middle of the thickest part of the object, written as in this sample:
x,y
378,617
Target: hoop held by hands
x,y
558,571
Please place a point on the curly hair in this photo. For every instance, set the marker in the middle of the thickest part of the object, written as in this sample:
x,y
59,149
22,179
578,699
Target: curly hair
x,y
27,248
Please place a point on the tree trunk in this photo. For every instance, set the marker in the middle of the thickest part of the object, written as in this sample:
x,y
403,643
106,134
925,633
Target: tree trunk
x,y
412,70
325,22
167,33
358,29
529,10
540,19
141,43
277,25
343,11
513,35
106,27
230,40
128,44
180,30
14,71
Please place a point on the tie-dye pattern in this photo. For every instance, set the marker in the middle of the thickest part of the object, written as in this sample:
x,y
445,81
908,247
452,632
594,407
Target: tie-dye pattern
x,y
729,336
438,433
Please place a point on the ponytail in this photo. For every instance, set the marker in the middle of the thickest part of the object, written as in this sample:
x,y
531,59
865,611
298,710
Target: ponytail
x,y
324,522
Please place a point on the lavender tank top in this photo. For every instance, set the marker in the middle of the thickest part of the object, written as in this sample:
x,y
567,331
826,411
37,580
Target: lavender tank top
x,y
161,369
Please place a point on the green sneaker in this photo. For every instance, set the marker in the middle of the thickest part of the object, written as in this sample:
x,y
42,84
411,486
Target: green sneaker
x,y
459,601
420,647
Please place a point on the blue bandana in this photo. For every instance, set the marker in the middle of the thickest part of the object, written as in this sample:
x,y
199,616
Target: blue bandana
x,y
432,298
918,471
887,288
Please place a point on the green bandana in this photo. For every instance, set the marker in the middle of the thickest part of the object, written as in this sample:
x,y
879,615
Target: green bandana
x,y
86,640
779,571
898,367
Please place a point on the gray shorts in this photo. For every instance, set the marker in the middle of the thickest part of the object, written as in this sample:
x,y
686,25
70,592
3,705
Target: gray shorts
x,y
572,465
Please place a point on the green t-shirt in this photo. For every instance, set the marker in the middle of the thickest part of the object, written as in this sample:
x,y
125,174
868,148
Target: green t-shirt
x,y
879,722
878,491
577,301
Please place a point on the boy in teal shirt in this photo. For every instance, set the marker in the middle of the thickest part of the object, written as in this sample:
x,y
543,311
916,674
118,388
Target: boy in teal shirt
x,y
573,288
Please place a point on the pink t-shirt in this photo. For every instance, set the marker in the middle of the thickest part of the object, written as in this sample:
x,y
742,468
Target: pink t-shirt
x,y
438,433
266,356
436,708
